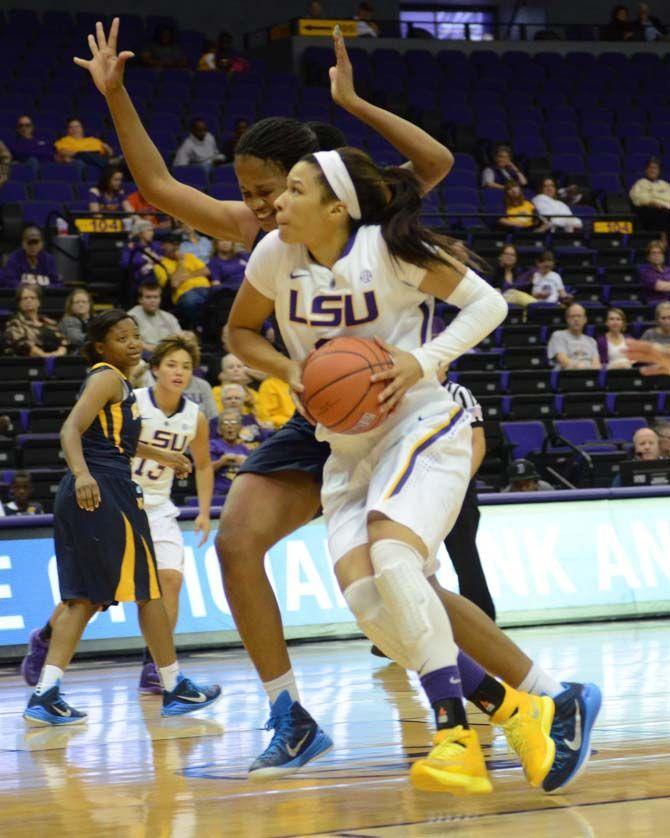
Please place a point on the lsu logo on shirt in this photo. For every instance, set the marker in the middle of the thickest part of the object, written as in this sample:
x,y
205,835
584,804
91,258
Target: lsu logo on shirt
x,y
333,309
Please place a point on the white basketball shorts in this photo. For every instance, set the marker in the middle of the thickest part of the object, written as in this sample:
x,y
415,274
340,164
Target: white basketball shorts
x,y
166,536
418,480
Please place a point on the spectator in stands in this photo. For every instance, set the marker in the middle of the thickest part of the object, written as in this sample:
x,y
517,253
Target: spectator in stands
x,y
228,451
520,212
234,396
198,245
154,323
366,27
28,333
109,195
275,405
647,26
5,163
199,148
163,51
233,371
655,274
25,146
227,265
523,477
557,213
612,345
620,27
662,428
228,146
646,445
651,198
661,333
509,279
20,490
75,145
314,10
504,170
571,349
74,324
207,61
141,254
227,58
30,264
188,278
140,206
547,283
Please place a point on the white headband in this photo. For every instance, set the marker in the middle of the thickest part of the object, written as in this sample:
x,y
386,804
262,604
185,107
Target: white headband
x,y
339,179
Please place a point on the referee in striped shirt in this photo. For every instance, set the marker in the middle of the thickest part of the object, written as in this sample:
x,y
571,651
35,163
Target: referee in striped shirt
x,y
461,543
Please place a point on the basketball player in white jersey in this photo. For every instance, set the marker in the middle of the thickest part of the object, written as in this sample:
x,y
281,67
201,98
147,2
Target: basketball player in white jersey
x,y
173,422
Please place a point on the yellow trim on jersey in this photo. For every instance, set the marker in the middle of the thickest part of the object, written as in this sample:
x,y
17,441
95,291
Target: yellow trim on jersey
x,y
125,590
110,366
103,422
154,588
116,412
421,443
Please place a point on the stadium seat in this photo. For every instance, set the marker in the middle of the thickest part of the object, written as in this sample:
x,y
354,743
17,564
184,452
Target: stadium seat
x,y
524,437
533,406
634,403
59,393
583,404
529,381
481,383
525,358
578,381
39,451
623,429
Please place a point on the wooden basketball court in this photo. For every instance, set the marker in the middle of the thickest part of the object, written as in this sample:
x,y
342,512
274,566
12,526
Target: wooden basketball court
x,y
130,773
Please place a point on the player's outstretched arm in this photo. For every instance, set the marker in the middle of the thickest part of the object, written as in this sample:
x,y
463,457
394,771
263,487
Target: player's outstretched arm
x,y
656,356
221,219
430,160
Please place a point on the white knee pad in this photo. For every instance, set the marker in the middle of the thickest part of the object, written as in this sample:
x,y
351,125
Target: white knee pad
x,y
417,612
374,620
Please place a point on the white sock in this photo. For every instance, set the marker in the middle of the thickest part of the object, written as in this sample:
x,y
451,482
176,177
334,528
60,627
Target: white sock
x,y
278,685
168,676
539,682
49,677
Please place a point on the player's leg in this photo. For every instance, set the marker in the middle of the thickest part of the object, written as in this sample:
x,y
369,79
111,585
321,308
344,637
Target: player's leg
x,y
38,644
259,511
46,706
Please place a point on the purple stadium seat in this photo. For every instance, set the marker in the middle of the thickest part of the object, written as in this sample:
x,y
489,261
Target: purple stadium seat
x,y
457,114
642,145
603,162
630,129
40,212
623,429
192,175
13,191
572,164
492,200
608,182
52,191
493,130
224,174
595,129
604,145
566,145
462,177
464,161
459,196
562,113
525,437
578,431
61,172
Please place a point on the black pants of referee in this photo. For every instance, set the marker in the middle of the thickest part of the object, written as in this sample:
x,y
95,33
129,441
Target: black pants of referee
x,y
461,544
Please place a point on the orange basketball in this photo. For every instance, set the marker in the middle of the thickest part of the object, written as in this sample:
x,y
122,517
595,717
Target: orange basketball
x,y
338,392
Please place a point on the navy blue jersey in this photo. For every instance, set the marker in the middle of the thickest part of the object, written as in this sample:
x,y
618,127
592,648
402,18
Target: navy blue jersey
x,y
109,444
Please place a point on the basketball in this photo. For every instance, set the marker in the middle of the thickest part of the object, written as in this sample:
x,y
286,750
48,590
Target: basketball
x,y
338,392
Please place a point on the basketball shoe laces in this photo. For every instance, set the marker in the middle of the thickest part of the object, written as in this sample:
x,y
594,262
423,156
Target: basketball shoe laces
x,y
282,726
449,747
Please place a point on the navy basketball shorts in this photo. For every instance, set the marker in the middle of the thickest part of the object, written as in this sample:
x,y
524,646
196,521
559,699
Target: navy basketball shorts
x,y
105,556
293,448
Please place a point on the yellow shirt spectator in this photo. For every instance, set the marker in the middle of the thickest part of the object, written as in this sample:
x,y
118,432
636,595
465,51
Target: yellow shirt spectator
x,y
188,263
527,209
69,146
275,404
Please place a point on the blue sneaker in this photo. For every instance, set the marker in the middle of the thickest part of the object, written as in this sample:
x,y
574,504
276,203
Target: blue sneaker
x,y
50,709
188,697
577,708
297,740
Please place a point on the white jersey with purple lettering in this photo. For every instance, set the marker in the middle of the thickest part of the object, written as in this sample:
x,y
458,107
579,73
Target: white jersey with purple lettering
x,y
367,293
172,433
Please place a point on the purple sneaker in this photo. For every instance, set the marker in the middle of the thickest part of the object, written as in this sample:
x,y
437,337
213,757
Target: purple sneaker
x,y
32,664
150,682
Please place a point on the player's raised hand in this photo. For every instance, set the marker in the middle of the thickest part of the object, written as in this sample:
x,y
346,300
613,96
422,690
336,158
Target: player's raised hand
x,y
342,74
106,67
654,355
404,374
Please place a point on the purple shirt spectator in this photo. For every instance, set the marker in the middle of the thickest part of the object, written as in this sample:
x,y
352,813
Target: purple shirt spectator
x,y
227,273
224,476
26,145
649,275
19,269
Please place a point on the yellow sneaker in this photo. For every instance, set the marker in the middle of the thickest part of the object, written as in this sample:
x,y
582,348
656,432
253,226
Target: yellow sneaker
x,y
455,765
527,732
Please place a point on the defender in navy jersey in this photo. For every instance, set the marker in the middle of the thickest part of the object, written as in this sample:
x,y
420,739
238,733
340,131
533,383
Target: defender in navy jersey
x,y
104,551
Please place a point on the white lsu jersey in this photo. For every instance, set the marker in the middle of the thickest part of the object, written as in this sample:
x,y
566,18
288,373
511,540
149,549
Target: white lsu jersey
x,y
367,293
173,433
